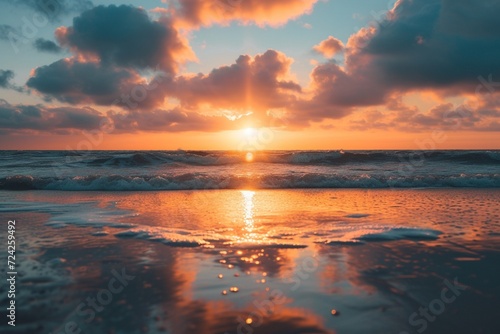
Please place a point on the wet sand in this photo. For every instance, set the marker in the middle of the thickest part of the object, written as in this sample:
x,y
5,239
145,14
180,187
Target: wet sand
x,y
386,261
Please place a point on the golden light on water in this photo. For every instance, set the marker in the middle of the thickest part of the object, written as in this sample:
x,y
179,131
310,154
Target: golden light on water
x,y
249,157
249,136
248,208
249,234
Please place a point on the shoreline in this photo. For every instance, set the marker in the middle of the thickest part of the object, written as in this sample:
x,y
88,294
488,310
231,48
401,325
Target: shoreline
x,y
70,252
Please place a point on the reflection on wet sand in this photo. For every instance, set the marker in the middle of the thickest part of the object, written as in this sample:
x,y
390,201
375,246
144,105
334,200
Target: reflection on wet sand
x,y
374,287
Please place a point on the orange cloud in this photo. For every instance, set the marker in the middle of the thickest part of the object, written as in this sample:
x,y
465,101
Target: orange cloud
x,y
270,12
329,47
254,84
380,63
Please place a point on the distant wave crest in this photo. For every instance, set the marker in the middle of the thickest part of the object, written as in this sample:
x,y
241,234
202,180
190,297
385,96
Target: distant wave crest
x,y
219,158
197,181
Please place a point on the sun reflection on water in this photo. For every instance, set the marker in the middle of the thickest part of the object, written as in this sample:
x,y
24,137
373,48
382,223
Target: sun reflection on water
x,y
249,157
248,207
249,231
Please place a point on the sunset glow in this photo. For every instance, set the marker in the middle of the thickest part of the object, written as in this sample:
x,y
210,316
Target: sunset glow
x,y
249,132
250,166
192,73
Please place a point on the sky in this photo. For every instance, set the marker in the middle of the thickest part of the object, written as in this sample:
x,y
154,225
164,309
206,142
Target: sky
x,y
249,74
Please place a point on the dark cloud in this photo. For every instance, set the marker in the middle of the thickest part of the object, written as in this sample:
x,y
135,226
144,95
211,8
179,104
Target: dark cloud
x,y
111,44
5,77
14,36
40,118
251,84
19,118
74,82
125,36
470,18
422,44
46,45
5,31
419,46
175,120
52,9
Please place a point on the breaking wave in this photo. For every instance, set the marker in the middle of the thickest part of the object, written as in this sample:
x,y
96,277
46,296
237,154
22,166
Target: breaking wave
x,y
219,158
198,181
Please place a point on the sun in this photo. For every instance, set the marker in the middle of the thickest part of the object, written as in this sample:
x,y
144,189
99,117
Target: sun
x,y
249,132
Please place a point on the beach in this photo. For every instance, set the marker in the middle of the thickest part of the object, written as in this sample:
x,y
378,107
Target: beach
x,y
256,261
250,167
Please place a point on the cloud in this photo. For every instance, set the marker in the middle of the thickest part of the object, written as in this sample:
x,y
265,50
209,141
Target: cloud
x,y
470,19
71,81
254,84
5,77
5,31
334,86
418,46
40,118
75,82
421,47
415,48
329,47
444,116
251,84
47,46
52,9
195,13
175,120
64,120
125,36
111,46
469,116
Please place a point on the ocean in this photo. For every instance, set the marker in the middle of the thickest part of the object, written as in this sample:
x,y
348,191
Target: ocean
x,y
272,242
198,170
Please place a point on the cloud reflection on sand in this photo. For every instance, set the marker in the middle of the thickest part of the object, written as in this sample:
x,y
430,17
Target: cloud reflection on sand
x,y
374,286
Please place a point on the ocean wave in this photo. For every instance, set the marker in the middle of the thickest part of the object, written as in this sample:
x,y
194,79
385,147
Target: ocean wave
x,y
198,181
123,159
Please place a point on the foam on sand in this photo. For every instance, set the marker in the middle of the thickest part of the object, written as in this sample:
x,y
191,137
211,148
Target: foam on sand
x,y
174,238
362,233
104,220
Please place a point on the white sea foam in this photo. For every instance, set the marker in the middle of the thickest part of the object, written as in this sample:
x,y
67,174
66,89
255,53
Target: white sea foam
x,y
200,181
110,219
193,170
345,233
